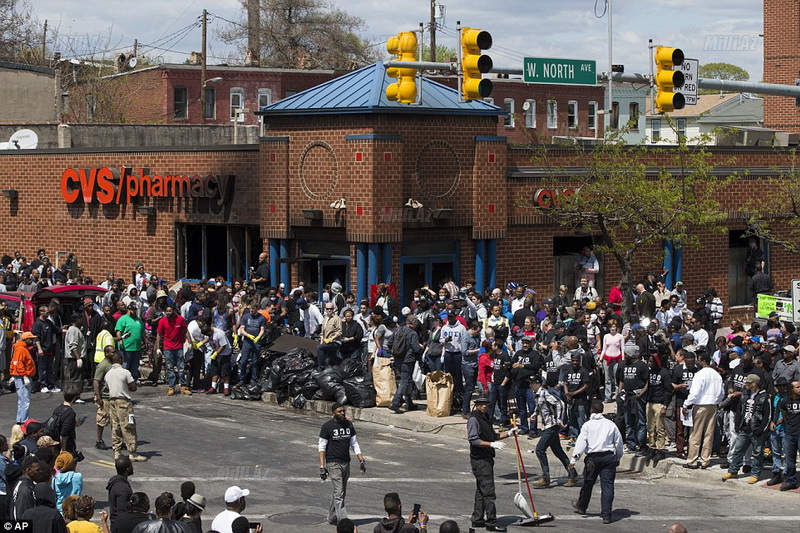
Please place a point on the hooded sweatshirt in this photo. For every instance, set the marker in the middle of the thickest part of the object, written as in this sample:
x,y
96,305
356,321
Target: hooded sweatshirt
x,y
66,484
119,497
394,525
44,516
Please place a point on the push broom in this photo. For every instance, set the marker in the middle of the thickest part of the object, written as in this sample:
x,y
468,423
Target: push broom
x,y
533,518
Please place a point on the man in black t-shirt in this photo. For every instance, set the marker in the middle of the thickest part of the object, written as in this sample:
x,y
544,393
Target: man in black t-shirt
x,y
632,381
336,438
682,376
790,409
260,276
576,389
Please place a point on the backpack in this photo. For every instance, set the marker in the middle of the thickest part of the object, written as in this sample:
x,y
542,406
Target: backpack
x,y
53,424
399,342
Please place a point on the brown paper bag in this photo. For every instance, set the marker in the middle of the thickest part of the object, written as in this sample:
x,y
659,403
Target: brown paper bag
x,y
383,380
439,388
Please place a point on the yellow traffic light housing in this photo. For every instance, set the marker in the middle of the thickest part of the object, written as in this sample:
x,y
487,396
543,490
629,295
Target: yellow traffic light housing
x,y
667,79
474,64
404,47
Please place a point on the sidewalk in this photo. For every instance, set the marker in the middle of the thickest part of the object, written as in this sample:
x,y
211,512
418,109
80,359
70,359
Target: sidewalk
x,y
456,427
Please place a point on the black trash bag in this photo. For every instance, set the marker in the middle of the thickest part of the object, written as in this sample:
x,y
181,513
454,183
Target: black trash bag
x,y
281,396
319,395
250,392
299,401
330,382
276,372
360,392
310,390
351,368
264,381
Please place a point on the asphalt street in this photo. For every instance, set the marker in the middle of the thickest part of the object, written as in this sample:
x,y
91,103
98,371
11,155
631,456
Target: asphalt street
x,y
218,442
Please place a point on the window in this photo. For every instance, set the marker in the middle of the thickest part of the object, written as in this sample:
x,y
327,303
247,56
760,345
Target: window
x,y
615,115
530,114
633,116
210,111
264,97
552,114
237,102
592,120
91,106
180,103
655,126
572,114
508,106
680,128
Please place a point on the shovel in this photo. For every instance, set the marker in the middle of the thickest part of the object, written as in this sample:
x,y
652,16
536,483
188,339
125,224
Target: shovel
x,y
526,506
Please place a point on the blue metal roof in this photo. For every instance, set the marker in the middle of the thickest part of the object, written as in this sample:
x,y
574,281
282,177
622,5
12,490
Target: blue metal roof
x,y
364,91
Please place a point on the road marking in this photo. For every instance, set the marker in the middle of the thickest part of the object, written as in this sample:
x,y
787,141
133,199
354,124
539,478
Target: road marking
x,y
353,480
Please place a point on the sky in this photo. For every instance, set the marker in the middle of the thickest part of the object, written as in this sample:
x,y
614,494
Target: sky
x,y
708,30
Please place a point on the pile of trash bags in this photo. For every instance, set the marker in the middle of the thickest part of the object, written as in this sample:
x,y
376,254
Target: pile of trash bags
x,y
296,377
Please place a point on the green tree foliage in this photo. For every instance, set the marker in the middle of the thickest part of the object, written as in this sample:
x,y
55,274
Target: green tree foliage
x,y
308,34
629,203
721,71
20,33
443,53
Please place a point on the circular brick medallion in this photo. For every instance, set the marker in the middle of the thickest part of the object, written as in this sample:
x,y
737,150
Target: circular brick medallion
x,y
319,171
438,170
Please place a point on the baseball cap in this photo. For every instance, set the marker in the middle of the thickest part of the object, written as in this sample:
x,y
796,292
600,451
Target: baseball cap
x,y
527,338
235,493
788,348
481,399
753,378
28,335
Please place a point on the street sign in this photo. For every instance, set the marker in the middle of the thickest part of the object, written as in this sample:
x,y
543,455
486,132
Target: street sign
x,y
796,301
559,71
689,90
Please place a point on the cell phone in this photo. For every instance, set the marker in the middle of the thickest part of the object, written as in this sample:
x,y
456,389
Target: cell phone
x,y
415,512
253,525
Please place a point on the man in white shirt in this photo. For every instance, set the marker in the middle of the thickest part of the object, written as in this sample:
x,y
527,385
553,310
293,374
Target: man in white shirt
x,y
235,503
601,440
585,291
705,394
586,264
700,335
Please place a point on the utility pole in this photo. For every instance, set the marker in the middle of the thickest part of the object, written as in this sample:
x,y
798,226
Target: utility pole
x,y
135,47
44,43
433,31
203,71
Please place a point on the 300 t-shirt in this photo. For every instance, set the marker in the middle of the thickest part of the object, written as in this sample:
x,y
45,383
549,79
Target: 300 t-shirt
x,y
338,435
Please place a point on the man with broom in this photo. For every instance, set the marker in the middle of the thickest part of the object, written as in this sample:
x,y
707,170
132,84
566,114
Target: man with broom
x,y
483,441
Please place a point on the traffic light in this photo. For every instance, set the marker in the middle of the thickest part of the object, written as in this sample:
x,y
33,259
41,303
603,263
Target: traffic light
x,y
474,63
667,79
404,47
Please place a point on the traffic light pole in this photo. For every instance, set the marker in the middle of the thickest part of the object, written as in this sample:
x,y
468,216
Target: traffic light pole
x,y
772,89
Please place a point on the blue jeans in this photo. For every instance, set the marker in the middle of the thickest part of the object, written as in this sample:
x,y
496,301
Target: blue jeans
x,y
132,361
175,363
635,422
549,439
404,389
469,371
790,445
47,375
577,417
776,445
743,441
328,353
250,354
434,362
526,404
498,398
604,466
452,365
23,399
610,368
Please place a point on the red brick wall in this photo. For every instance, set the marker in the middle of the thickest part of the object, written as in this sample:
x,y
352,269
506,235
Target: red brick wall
x,y
115,237
781,61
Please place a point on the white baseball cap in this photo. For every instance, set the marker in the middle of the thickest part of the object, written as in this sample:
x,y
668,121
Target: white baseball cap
x,y
234,493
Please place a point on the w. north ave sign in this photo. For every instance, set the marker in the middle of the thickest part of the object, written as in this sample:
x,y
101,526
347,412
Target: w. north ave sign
x,y
111,185
559,71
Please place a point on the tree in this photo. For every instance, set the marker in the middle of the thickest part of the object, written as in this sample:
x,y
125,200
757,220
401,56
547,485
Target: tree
x,y
20,33
775,214
308,34
634,197
443,53
721,71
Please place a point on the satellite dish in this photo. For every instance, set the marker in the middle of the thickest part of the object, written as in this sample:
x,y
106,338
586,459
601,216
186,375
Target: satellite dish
x,y
23,140
526,106
132,62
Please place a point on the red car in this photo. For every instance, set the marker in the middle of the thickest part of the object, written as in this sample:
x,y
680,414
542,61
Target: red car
x,y
24,304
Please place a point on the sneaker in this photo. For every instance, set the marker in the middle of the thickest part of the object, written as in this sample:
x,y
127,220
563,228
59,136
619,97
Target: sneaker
x,y
728,475
44,389
171,391
227,391
577,509
606,519
137,458
788,486
55,390
396,410
211,390
640,453
79,401
100,445
571,482
542,482
752,480
186,390
777,479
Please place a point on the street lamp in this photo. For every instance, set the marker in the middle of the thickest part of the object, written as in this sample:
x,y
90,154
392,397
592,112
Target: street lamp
x,y
203,83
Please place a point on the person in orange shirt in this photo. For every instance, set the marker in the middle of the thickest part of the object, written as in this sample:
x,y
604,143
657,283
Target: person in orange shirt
x,y
22,370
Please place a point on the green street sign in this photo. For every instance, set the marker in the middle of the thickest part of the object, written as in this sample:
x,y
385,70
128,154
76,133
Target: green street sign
x,y
560,71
